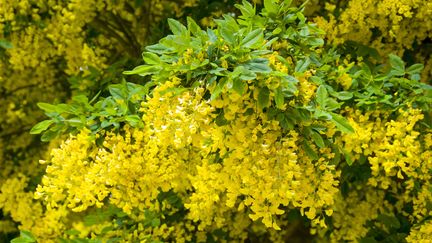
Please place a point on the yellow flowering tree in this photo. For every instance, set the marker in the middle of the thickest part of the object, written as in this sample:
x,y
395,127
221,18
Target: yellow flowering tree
x,y
252,128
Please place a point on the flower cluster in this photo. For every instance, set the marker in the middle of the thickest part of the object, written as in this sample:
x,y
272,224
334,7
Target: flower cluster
x,y
245,167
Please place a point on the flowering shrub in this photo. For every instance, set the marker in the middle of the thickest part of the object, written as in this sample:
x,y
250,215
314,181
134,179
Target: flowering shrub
x,y
252,129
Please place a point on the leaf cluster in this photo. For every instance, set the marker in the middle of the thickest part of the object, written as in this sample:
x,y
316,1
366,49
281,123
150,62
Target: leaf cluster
x,y
120,107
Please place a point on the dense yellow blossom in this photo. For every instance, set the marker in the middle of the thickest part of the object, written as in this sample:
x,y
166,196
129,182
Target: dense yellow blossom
x,y
421,234
398,158
14,200
353,212
181,149
391,26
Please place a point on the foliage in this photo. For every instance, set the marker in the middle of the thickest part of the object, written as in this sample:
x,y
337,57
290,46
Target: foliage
x,y
251,129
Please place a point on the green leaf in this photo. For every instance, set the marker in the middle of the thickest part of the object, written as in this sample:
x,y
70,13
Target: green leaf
x,y
194,27
230,23
48,108
106,123
176,27
258,65
212,36
317,139
347,157
134,120
64,108
321,96
253,39
284,122
315,42
218,89
197,64
300,15
321,114
279,98
144,70
228,35
343,95
155,222
41,126
341,123
239,86
25,237
74,122
237,72
309,151
218,71
263,97
268,44
118,91
415,77
389,221
5,44
277,31
159,48
271,7
302,65
415,69
21,240
134,90
332,104
246,9
151,58
247,75
397,63
146,88
49,135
